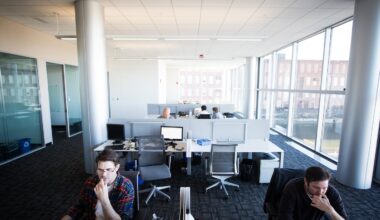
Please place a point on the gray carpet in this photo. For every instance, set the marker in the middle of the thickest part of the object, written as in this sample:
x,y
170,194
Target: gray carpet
x,y
44,184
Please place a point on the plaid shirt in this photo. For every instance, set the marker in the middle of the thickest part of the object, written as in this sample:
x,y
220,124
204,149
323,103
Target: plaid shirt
x,y
121,198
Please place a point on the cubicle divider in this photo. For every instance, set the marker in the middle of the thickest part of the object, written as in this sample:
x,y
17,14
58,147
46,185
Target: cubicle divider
x,y
156,109
237,130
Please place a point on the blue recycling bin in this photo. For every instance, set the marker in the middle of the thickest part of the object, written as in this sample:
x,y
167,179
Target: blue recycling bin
x,y
24,145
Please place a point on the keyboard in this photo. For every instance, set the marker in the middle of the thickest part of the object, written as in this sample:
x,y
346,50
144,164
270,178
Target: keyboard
x,y
115,147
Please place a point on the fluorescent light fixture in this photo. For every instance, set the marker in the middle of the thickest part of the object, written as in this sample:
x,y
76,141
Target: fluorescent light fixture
x,y
187,39
66,37
239,39
133,39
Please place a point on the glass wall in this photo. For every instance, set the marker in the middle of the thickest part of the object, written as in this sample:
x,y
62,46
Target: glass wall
x,y
20,110
304,98
74,113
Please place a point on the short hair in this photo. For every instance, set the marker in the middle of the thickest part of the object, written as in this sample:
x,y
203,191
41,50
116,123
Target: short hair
x,y
313,174
108,155
215,109
203,107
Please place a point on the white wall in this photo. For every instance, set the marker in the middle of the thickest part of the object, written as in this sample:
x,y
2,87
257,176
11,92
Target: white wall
x,y
20,40
172,88
133,84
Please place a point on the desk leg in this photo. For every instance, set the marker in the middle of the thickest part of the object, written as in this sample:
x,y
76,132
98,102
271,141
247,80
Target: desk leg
x,y
281,159
188,168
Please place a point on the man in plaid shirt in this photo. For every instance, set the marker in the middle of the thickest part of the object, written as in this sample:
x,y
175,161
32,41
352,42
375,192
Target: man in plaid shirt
x,y
107,195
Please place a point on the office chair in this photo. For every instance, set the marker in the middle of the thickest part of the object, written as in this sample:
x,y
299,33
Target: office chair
x,y
133,176
152,164
280,178
223,165
204,116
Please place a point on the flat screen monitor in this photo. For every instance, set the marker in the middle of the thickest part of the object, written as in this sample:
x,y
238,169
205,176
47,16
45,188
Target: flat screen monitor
x,y
116,132
172,133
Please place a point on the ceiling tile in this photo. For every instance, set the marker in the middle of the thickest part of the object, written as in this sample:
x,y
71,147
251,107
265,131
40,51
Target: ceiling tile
x,y
125,2
224,3
156,2
112,12
186,3
187,11
133,11
277,3
160,11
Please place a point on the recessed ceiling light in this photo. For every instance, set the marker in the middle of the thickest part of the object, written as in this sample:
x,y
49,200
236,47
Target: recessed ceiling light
x,y
239,39
187,39
133,39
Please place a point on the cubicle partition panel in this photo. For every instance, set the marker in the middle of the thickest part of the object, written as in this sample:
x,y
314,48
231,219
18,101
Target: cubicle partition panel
x,y
156,109
237,130
143,128
227,131
257,128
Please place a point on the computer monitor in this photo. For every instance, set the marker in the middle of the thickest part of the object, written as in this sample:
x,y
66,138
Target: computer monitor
x,y
116,132
172,133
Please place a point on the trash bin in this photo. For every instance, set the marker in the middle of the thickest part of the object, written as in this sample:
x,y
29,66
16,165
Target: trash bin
x,y
24,145
247,169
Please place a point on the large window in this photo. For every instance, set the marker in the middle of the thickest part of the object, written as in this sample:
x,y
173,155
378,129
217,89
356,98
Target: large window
x,y
339,54
291,97
214,86
309,60
284,67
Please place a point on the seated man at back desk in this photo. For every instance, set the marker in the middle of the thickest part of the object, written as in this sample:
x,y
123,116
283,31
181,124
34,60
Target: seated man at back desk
x,y
166,113
311,198
108,195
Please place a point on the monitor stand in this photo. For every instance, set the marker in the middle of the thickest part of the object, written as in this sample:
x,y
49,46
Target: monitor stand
x,y
171,143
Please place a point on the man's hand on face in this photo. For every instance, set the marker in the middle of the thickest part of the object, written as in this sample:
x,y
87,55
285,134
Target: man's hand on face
x,y
321,202
101,190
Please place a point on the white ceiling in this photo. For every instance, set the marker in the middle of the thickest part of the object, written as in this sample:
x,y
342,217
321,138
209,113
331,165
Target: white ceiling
x,y
276,22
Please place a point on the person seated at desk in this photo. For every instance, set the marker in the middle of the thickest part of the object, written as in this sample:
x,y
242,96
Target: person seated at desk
x,y
216,114
311,198
204,114
166,113
108,195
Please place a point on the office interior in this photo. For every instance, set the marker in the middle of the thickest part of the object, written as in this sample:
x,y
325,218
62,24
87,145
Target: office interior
x,y
309,67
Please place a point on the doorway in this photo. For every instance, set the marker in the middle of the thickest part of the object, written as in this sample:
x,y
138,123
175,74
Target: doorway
x,y
64,98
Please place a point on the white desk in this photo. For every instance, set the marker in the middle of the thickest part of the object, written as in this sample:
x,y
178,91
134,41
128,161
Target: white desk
x,y
189,146
250,146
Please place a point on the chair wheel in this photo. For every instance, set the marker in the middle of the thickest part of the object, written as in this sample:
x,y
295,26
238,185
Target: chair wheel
x,y
167,200
237,189
205,191
225,198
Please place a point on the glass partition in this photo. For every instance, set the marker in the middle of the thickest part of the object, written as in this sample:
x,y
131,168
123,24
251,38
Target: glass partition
x,y
20,110
74,115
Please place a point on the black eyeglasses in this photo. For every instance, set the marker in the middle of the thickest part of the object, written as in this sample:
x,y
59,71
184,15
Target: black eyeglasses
x,y
109,170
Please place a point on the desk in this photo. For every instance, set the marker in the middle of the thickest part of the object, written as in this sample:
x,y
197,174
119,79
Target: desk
x,y
250,146
190,146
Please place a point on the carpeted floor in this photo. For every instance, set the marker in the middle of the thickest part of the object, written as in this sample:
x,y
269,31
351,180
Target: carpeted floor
x,y
44,184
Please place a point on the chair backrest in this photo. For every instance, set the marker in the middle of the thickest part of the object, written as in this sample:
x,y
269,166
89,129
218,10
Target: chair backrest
x,y
280,178
204,116
151,150
223,159
133,176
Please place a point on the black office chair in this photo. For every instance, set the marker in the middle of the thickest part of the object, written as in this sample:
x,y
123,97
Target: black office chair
x,y
133,176
223,165
204,116
152,164
280,178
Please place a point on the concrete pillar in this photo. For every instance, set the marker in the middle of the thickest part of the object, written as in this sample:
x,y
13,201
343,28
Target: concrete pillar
x,y
89,16
361,111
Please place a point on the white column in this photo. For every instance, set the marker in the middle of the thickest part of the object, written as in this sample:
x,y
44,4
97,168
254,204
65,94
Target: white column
x,y
89,15
361,111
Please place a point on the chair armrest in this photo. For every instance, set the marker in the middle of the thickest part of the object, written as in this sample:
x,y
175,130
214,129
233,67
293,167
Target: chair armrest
x,y
206,166
133,176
